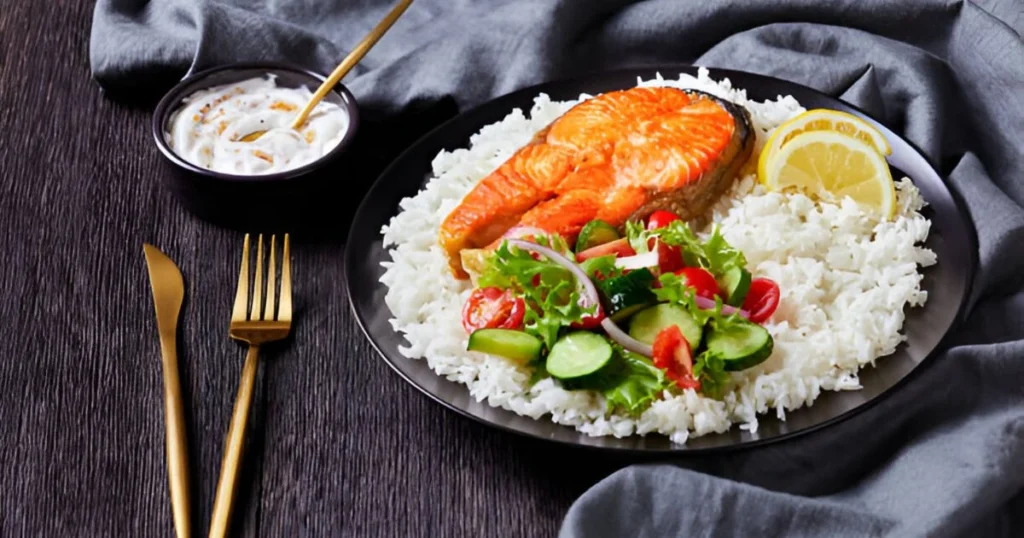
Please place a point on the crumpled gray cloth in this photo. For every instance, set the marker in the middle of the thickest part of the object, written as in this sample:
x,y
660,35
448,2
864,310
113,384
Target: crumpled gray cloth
x,y
944,455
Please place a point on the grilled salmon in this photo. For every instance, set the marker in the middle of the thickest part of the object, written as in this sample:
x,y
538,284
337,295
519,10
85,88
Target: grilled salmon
x,y
618,156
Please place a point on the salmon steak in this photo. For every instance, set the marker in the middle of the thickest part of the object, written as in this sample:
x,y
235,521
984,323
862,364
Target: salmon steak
x,y
618,156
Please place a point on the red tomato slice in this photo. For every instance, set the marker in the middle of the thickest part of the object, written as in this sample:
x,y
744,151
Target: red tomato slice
x,y
702,282
670,259
493,308
660,219
590,321
671,352
662,352
620,248
762,299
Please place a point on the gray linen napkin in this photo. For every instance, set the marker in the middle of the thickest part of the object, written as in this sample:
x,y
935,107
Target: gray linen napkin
x,y
943,456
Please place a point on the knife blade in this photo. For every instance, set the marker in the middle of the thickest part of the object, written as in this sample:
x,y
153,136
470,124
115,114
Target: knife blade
x,y
168,293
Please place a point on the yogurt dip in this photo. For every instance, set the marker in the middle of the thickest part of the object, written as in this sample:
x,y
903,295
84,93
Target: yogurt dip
x,y
207,130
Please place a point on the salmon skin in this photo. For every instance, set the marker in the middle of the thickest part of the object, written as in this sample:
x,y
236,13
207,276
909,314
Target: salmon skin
x,y
618,156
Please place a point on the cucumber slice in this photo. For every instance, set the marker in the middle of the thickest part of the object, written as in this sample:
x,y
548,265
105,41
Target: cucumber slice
x,y
627,294
646,324
578,354
741,344
595,232
736,284
515,345
625,313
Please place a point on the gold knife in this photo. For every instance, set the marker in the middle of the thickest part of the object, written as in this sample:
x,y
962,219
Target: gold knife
x,y
168,293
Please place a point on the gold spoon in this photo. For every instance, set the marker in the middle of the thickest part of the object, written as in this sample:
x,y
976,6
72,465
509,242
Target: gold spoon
x,y
343,68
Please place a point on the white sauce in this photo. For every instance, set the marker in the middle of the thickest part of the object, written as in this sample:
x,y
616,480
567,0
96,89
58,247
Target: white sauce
x,y
207,129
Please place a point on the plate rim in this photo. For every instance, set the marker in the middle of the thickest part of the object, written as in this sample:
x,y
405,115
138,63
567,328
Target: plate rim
x,y
675,449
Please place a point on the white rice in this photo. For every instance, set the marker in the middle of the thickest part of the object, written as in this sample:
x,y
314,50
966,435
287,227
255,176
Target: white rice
x,y
845,280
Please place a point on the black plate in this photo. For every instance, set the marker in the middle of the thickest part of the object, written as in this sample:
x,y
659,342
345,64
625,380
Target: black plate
x,y
952,238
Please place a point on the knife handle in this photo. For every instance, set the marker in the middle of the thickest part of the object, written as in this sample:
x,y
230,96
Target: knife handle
x,y
177,445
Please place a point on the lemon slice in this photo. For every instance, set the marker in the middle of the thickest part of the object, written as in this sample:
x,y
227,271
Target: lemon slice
x,y
830,165
821,119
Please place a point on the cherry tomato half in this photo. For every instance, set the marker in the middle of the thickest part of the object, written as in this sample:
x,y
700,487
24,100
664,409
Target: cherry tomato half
x,y
702,282
671,352
620,248
660,219
762,299
493,308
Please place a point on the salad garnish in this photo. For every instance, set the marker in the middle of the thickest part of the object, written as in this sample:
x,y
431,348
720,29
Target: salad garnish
x,y
658,309
549,289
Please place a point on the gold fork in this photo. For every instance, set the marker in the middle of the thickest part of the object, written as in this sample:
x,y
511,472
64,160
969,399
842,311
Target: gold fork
x,y
253,328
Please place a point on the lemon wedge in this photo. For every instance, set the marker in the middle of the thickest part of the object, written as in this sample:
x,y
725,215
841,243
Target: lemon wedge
x,y
830,165
821,119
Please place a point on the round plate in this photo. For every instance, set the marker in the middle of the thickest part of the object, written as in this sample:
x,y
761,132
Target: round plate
x,y
948,282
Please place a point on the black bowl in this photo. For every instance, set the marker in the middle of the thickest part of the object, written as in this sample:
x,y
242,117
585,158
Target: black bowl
x,y
251,202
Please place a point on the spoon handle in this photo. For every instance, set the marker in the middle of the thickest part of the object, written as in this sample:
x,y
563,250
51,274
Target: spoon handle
x,y
351,60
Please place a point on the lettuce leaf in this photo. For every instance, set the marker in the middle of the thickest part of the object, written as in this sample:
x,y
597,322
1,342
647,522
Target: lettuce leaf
x,y
603,266
637,236
709,369
638,383
674,290
720,256
556,243
716,254
629,381
553,302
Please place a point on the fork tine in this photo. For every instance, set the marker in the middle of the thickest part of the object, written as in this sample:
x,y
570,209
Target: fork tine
x,y
241,296
285,309
268,312
257,287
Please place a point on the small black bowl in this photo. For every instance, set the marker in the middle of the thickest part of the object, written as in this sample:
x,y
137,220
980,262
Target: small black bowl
x,y
251,202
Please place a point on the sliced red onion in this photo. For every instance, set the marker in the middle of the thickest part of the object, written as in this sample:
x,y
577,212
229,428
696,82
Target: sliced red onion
x,y
589,290
519,232
625,340
709,304
638,261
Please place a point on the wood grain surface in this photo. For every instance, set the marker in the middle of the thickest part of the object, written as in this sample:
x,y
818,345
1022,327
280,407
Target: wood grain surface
x,y
339,446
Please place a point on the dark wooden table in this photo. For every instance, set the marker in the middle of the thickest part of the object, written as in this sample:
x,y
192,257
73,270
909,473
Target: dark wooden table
x,y
340,445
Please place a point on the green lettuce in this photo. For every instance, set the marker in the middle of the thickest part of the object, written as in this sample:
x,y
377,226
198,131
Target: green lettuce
x,y
674,290
637,382
554,301
629,381
637,236
716,254
709,369
719,256
601,266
